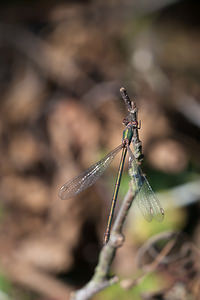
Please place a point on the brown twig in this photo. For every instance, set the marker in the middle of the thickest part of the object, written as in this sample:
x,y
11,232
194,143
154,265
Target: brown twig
x,y
148,245
101,279
129,283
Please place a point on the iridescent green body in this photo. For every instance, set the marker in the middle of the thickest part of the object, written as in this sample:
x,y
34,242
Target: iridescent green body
x,y
128,134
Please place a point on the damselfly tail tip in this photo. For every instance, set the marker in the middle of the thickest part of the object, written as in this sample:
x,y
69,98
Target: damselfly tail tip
x,y
106,238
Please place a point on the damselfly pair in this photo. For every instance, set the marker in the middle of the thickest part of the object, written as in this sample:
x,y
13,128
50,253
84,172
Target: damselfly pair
x,y
145,197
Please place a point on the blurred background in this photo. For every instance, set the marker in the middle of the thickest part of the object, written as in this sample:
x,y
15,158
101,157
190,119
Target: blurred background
x,y
62,64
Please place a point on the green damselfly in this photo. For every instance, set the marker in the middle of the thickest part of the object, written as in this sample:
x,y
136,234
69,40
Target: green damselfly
x,y
146,199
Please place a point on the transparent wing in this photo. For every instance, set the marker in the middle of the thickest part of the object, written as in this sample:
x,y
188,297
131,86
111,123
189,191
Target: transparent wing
x,y
88,177
146,200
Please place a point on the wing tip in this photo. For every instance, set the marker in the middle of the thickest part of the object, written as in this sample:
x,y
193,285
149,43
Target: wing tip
x,y
61,192
160,216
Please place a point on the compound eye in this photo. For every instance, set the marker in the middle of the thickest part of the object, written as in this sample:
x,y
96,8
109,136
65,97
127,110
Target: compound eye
x,y
135,124
125,121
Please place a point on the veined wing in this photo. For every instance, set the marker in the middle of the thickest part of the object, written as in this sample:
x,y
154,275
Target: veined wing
x,y
146,199
88,177
148,202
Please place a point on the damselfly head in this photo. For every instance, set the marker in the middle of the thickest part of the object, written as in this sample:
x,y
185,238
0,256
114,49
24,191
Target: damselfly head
x,y
130,124
125,121
134,124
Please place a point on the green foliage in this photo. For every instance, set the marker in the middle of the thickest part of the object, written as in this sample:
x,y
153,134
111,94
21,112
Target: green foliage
x,y
163,181
5,284
151,282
